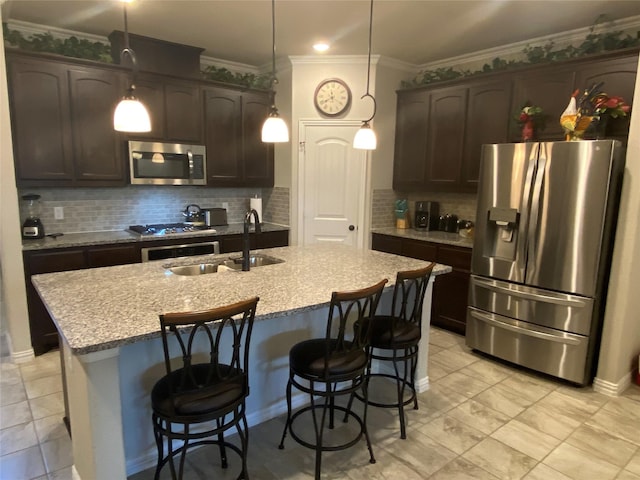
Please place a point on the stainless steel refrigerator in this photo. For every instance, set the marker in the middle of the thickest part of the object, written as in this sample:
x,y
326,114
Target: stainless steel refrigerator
x,y
542,249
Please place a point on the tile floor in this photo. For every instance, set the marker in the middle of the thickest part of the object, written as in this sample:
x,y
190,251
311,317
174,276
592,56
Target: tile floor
x,y
479,420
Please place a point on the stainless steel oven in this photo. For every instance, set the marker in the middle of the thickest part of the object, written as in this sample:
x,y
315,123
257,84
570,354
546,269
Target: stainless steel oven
x,y
176,251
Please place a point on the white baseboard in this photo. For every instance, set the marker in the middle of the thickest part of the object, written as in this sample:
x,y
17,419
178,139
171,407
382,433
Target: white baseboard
x,y
23,357
612,389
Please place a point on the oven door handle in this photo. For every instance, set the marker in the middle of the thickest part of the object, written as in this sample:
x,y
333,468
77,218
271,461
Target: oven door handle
x,y
557,337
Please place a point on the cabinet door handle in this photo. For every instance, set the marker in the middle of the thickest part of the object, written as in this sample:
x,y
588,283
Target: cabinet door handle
x,y
352,228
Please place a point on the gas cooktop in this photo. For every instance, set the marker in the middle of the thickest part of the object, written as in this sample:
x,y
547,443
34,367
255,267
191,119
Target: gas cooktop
x,y
159,229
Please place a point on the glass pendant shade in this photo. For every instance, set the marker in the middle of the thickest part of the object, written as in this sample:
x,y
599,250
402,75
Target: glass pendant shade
x,y
365,138
131,116
274,130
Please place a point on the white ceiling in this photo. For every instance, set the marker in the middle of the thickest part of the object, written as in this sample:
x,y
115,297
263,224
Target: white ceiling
x,y
415,31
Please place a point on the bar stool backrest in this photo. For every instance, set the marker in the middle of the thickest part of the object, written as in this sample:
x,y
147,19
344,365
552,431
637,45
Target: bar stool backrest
x,y
346,308
408,294
223,333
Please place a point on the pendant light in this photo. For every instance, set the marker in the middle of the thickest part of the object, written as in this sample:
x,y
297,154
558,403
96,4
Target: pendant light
x,y
274,129
130,114
365,138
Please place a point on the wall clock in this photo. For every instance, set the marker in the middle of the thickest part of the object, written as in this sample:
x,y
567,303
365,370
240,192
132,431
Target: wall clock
x,y
332,97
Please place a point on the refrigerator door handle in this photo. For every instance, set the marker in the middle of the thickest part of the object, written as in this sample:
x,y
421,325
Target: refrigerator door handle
x,y
526,207
538,297
536,198
551,337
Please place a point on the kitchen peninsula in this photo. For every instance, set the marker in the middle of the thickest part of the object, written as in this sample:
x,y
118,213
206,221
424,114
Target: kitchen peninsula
x,y
112,353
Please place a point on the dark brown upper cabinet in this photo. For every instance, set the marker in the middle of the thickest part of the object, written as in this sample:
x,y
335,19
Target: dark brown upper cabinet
x,y
487,121
62,123
412,122
549,88
441,127
175,108
439,132
619,77
236,155
445,138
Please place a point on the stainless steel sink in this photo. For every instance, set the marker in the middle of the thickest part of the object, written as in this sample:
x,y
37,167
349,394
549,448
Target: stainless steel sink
x,y
196,269
255,260
233,263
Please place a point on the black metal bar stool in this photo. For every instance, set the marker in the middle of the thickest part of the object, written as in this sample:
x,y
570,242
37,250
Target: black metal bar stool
x,y
395,338
211,390
336,365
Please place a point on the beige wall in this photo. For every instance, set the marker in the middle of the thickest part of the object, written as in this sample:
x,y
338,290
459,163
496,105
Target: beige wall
x,y
13,292
621,335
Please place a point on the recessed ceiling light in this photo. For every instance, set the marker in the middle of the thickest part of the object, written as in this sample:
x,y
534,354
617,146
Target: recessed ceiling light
x,y
321,47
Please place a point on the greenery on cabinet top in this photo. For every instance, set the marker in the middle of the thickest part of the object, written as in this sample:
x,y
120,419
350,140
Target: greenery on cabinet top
x,y
594,43
101,52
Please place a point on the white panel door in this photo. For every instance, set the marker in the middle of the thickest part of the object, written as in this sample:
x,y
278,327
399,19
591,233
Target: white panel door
x,y
333,185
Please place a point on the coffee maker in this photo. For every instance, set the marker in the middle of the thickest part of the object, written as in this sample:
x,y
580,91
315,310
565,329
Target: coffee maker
x,y
32,226
426,215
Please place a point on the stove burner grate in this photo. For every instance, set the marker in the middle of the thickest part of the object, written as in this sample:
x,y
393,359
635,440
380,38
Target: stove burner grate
x,y
159,229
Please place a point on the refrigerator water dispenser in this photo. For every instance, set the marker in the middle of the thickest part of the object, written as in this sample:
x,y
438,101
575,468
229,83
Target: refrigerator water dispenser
x,y
501,233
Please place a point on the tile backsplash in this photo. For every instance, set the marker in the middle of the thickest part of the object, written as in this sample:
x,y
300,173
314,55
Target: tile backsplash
x,y
108,209
383,216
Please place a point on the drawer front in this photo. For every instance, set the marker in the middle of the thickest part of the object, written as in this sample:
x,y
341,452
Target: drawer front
x,y
546,350
420,250
455,256
569,313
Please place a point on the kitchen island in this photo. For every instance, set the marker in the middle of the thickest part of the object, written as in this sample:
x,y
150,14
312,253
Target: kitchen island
x,y
108,322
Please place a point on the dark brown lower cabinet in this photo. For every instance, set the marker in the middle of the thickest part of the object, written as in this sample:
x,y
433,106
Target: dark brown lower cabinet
x,y
449,301
44,335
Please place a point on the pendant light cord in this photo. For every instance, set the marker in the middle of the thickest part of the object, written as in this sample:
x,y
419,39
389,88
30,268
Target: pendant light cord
x,y
127,50
274,79
369,67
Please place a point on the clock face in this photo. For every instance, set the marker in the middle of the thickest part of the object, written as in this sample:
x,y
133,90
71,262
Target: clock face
x,y
332,97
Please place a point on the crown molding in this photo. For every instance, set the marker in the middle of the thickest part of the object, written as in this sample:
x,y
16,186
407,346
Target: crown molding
x,y
28,28
563,39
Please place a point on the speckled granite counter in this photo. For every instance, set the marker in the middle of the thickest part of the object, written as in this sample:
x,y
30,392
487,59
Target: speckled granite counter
x,y
123,236
434,236
112,349
84,303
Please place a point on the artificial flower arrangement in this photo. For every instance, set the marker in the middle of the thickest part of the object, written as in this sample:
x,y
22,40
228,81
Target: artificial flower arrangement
x,y
613,106
589,110
531,120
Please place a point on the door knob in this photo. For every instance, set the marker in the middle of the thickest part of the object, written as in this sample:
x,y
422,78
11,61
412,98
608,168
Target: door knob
x,y
352,228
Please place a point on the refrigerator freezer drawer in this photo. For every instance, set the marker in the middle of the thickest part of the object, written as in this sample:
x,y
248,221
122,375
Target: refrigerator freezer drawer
x,y
557,353
570,313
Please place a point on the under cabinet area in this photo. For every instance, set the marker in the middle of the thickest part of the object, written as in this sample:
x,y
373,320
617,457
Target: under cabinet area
x,y
449,301
440,127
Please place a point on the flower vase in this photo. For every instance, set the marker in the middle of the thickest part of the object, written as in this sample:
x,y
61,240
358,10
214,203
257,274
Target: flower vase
x,y
601,127
528,131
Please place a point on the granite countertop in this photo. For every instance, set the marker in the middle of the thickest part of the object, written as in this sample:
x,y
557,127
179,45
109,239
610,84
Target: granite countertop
x,y
432,236
124,236
102,308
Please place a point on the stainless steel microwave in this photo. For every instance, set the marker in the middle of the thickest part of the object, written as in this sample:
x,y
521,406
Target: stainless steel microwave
x,y
156,163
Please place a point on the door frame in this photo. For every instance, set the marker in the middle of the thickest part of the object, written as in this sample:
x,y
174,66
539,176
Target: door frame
x,y
364,204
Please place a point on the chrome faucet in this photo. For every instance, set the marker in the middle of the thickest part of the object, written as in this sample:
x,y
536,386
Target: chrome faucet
x,y
245,237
